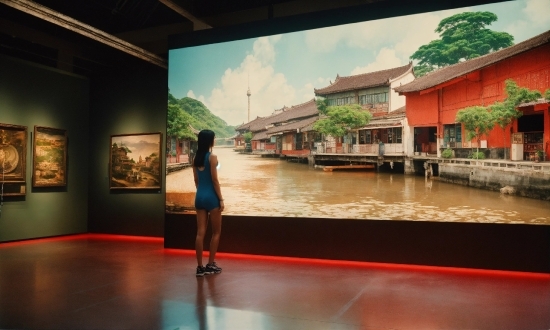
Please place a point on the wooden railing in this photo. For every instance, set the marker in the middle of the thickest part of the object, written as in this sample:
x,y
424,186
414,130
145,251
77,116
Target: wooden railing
x,y
363,149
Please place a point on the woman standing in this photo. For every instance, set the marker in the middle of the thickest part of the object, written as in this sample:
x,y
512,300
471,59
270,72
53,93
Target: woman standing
x,y
208,201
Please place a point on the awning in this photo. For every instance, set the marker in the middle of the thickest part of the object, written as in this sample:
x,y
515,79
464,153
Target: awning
x,y
382,124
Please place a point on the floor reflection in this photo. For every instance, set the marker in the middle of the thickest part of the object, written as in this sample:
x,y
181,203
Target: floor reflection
x,y
207,315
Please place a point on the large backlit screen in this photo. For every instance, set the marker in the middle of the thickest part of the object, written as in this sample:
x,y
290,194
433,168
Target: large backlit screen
x,y
290,143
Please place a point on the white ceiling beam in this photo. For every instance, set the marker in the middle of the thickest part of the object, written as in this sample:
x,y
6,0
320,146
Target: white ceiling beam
x,y
37,10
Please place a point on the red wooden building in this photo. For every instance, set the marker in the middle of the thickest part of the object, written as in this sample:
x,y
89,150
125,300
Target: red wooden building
x,y
434,99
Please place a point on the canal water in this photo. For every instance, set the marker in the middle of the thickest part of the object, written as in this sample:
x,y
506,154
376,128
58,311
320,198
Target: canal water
x,y
256,186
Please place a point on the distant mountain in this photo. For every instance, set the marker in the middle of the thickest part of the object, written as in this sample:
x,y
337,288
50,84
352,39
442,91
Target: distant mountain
x,y
201,117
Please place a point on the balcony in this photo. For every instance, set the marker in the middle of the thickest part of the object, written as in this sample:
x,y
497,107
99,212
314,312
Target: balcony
x,y
359,149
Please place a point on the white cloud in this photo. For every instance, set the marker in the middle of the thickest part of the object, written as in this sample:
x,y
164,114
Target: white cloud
x,y
306,93
322,81
269,89
536,20
538,11
191,94
323,40
386,59
404,34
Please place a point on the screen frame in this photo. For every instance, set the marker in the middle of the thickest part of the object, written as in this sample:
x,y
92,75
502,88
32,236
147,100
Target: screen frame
x,y
315,20
446,244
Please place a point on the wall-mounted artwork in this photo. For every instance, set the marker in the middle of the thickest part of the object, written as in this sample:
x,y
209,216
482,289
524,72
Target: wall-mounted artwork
x,y
135,161
49,157
13,151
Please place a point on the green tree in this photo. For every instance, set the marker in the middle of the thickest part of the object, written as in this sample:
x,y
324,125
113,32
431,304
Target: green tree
x,y
462,37
340,119
200,116
322,105
477,121
178,123
247,137
505,112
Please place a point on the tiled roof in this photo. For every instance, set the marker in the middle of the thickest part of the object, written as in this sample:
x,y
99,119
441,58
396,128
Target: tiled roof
x,y
308,128
460,69
257,124
365,80
398,110
260,136
292,126
391,119
303,110
246,126
528,104
395,122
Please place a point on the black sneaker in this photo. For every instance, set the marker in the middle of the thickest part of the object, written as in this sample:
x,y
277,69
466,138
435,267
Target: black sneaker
x,y
201,271
213,268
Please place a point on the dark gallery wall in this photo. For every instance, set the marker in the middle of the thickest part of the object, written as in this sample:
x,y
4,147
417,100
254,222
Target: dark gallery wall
x,y
128,98
31,95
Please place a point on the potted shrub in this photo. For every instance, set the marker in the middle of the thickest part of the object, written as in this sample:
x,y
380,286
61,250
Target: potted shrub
x,y
447,153
477,155
539,155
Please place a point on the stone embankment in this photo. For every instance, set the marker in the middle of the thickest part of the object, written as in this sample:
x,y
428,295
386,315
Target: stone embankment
x,y
176,167
527,179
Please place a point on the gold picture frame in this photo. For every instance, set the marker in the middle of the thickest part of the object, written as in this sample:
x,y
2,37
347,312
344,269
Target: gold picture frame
x,y
135,161
13,154
49,155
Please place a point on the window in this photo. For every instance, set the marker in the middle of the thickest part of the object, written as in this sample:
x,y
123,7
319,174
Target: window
x,y
299,141
362,136
345,100
452,135
395,135
374,98
331,102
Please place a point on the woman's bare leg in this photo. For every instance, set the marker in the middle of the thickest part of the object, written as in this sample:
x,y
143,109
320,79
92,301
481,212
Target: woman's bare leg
x,y
216,221
202,221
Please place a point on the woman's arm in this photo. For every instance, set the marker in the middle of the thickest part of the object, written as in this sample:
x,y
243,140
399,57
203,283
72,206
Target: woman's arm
x,y
214,171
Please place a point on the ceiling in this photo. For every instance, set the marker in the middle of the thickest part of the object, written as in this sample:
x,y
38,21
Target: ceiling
x,y
144,24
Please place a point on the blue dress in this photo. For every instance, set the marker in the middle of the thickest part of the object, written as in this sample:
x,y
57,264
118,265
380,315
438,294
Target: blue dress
x,y
206,197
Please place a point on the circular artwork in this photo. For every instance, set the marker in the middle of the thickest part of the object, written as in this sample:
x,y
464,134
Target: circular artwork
x,y
9,158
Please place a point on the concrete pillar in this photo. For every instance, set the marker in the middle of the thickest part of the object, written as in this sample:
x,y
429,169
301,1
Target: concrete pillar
x,y
311,160
408,166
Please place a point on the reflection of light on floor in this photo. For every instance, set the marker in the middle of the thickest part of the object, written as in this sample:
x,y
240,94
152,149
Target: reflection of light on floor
x,y
178,315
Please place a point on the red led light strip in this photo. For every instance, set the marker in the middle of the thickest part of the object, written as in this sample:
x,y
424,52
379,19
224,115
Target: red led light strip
x,y
294,260
84,236
372,265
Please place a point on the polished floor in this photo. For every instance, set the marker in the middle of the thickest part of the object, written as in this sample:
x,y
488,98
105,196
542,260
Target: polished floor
x,y
115,282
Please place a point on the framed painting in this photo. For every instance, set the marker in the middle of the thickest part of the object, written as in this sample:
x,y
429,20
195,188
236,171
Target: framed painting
x,y
135,161
13,152
49,157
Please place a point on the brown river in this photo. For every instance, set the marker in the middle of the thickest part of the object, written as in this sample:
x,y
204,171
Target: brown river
x,y
256,186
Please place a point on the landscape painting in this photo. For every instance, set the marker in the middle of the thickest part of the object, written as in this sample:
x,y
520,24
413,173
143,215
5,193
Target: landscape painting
x,y
13,151
49,157
135,161
366,120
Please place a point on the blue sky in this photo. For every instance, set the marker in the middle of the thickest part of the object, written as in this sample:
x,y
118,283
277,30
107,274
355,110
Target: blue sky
x,y
284,69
